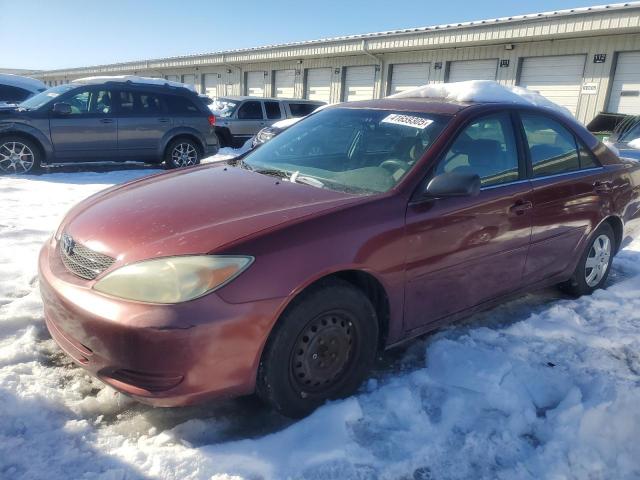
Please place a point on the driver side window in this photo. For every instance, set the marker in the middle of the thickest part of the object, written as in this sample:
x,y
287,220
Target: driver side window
x,y
486,147
90,102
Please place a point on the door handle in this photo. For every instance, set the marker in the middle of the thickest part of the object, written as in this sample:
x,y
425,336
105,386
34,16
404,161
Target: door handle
x,y
106,120
164,120
602,187
520,207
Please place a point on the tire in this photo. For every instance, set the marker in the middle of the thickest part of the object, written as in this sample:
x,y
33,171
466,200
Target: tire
x,y
19,155
321,348
182,152
595,263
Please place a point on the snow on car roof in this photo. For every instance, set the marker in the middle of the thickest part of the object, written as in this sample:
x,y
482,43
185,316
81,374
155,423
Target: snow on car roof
x,y
481,91
133,79
19,81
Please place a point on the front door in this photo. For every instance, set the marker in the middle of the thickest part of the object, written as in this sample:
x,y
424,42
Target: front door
x,y
250,119
463,251
90,131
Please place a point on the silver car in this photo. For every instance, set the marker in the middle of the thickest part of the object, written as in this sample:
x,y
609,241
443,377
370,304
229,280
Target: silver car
x,y
240,118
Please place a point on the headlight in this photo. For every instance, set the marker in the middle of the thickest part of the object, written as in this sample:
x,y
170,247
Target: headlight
x,y
172,279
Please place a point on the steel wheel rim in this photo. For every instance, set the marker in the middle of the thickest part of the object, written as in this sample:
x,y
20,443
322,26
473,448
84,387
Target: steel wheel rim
x,y
323,352
184,155
16,157
597,261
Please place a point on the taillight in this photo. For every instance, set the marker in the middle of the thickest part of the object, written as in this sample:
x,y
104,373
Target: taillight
x,y
212,120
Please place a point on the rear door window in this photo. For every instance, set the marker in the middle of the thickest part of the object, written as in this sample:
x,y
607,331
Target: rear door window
x,y
552,148
13,94
301,109
273,110
140,103
251,110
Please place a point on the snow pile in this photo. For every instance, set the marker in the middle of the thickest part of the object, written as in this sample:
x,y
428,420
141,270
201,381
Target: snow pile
x,y
635,143
481,91
541,387
133,79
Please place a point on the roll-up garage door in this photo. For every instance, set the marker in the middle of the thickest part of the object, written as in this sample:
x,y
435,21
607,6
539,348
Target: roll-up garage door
x,y
189,79
359,83
318,84
407,76
625,89
285,81
463,70
557,78
212,85
255,84
173,78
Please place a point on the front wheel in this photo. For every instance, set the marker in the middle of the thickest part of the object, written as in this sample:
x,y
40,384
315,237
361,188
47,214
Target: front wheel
x,y
321,349
18,156
182,152
594,265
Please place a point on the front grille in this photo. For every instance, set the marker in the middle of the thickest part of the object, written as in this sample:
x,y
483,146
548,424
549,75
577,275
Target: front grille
x,y
81,260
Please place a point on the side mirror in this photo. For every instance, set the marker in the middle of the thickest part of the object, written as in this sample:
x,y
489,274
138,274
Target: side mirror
x,y
62,108
454,185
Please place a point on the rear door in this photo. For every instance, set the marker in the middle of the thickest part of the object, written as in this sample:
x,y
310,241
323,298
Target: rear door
x,y
143,120
250,119
463,251
89,132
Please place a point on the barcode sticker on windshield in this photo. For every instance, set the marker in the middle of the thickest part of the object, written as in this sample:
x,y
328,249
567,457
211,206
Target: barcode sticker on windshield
x,y
407,120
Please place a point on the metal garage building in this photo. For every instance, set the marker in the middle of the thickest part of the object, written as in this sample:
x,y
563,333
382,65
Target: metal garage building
x,y
587,59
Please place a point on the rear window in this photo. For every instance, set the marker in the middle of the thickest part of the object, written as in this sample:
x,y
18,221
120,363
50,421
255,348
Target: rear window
x,y
302,109
180,105
12,94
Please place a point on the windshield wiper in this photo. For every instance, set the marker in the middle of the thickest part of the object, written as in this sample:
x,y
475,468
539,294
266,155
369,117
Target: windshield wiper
x,y
297,178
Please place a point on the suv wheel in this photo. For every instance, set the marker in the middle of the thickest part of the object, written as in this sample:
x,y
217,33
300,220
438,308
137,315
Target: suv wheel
x,y
322,348
18,156
182,152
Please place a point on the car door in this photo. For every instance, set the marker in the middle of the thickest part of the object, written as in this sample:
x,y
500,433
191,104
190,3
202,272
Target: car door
x,y
89,132
463,251
565,178
250,119
143,120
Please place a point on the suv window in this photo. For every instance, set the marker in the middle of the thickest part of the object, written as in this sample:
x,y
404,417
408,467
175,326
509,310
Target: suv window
x,y
251,110
486,147
180,105
136,103
552,147
301,109
273,110
9,93
90,102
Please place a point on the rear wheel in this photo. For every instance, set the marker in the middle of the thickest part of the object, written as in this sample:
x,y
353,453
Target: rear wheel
x,y
182,152
322,348
18,156
594,265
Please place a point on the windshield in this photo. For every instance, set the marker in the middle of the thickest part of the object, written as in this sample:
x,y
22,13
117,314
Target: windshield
x,y
351,150
45,97
223,107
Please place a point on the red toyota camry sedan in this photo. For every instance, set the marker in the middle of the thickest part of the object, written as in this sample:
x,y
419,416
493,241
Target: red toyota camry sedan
x,y
364,225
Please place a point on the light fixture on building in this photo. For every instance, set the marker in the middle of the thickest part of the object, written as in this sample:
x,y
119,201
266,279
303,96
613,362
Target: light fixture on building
x,y
337,71
509,46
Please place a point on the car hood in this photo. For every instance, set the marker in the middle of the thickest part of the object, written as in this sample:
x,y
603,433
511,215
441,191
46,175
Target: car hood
x,y
193,211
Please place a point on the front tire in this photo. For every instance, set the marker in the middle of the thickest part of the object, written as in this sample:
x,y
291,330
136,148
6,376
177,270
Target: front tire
x,y
19,156
182,152
594,265
322,348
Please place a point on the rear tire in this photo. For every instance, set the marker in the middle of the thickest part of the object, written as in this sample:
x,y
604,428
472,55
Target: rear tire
x,y
19,156
594,265
322,348
182,152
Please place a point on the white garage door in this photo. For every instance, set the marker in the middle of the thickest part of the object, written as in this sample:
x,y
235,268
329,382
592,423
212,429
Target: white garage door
x,y
625,90
359,83
285,83
173,78
407,76
318,84
213,86
463,70
557,78
255,84
189,79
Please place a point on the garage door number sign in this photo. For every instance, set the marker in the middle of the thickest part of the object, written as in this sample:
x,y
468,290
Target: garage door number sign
x,y
589,88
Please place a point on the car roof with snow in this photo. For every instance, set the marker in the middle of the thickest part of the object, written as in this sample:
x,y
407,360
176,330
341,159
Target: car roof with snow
x,y
132,80
26,83
241,98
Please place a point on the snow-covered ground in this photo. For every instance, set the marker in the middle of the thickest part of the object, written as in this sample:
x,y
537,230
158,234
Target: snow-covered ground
x,y
541,387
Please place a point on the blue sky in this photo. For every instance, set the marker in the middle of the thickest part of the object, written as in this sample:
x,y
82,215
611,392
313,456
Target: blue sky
x,y
59,34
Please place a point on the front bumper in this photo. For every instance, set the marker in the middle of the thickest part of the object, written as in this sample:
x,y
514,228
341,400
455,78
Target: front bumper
x,y
163,355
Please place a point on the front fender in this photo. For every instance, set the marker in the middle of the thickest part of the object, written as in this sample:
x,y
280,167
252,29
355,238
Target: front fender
x,y
33,133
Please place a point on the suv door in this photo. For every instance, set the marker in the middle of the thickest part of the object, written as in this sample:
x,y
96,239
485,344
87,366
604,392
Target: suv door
x,y
143,121
89,132
566,195
463,251
250,119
